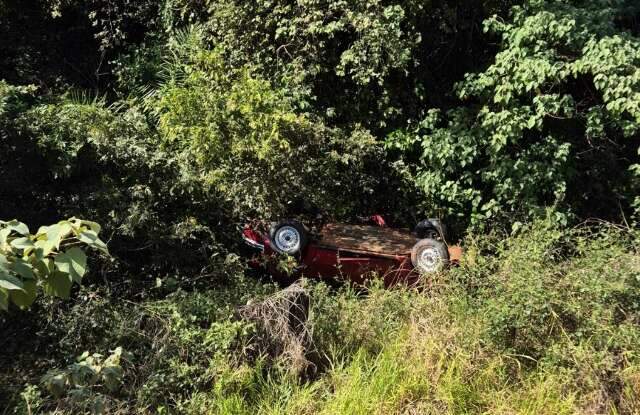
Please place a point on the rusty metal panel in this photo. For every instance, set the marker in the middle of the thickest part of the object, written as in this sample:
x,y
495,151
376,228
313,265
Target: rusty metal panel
x,y
455,254
365,238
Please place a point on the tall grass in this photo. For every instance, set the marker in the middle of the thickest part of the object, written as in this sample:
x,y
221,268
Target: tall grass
x,y
542,322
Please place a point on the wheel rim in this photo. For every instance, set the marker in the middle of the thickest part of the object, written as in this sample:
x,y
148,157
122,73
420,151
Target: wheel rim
x,y
429,259
287,239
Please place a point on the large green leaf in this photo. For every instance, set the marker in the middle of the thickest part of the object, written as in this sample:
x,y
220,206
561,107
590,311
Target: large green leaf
x,y
24,243
58,284
11,283
55,382
58,232
4,234
50,237
4,264
91,238
86,223
112,376
72,262
44,246
45,266
24,299
23,269
15,226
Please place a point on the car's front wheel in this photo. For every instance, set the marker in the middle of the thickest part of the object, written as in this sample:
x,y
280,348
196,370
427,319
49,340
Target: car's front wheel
x,y
288,237
429,255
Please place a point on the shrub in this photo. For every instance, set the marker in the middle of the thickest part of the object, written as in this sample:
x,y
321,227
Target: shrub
x,y
245,139
51,259
553,121
80,157
80,383
176,346
551,286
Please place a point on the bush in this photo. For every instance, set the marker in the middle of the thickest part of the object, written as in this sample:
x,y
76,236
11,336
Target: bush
x,y
549,286
51,259
553,121
79,385
80,157
244,139
175,346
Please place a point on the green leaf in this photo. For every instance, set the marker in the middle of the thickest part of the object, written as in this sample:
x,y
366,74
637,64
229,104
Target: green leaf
x,y
55,382
45,266
72,262
4,265
112,376
26,298
4,299
87,223
84,373
24,243
91,238
9,282
4,234
44,247
14,225
56,233
50,237
23,268
58,284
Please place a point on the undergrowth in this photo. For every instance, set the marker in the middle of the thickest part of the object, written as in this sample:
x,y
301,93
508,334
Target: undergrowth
x,y
544,321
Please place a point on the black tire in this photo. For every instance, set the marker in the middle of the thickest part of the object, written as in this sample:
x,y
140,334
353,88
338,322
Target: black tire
x,y
430,228
279,241
429,256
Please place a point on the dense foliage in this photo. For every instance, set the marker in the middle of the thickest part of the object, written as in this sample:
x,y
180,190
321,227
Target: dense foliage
x,y
553,120
172,123
476,111
51,259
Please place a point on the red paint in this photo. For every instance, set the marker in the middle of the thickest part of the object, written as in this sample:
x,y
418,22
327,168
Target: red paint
x,y
378,220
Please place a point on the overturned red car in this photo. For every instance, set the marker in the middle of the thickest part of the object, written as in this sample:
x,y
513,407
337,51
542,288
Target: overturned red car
x,y
355,251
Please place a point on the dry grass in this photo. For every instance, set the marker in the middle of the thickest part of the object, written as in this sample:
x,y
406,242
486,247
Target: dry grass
x,y
283,328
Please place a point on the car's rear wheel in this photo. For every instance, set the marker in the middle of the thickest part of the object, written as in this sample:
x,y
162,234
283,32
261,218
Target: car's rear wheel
x,y
429,256
288,237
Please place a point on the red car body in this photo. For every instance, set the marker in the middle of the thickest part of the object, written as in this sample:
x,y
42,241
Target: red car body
x,y
365,251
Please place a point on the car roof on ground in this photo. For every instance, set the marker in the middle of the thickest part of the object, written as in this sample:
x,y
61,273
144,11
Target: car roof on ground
x,y
366,239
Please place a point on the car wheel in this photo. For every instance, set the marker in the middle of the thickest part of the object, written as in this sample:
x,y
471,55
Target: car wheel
x,y
429,255
288,237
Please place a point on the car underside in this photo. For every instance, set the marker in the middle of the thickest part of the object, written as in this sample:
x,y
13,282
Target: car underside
x,y
354,252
